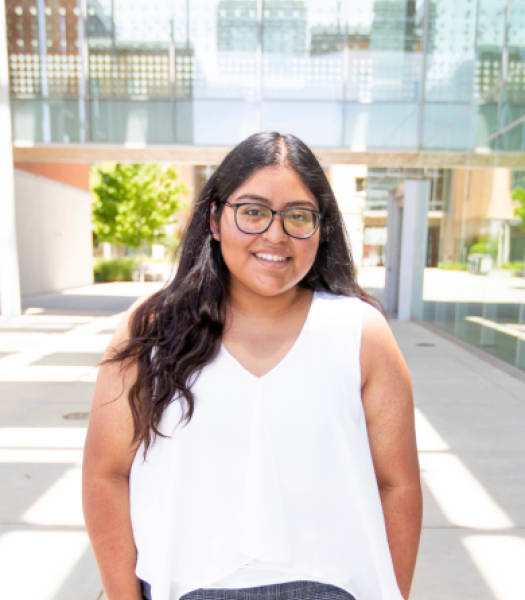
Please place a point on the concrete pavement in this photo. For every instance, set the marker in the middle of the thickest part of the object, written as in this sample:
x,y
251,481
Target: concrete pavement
x,y
470,419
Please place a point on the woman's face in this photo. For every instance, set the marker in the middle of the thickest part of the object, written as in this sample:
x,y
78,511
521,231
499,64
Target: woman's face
x,y
249,256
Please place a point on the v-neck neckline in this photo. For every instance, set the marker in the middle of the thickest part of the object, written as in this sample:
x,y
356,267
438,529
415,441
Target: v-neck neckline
x,y
284,359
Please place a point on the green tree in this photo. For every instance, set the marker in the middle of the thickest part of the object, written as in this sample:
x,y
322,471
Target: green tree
x,y
134,203
519,211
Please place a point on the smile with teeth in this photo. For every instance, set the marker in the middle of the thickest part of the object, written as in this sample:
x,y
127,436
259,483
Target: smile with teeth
x,y
273,257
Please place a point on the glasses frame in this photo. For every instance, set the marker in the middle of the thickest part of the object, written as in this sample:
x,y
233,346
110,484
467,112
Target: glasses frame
x,y
236,206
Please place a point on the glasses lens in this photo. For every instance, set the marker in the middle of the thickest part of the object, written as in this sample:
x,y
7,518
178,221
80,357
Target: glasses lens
x,y
300,223
253,218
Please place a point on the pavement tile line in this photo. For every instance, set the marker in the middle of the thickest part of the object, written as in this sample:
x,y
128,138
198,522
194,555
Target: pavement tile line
x,y
19,367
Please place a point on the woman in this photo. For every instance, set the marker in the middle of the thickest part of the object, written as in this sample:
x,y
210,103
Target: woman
x,y
252,424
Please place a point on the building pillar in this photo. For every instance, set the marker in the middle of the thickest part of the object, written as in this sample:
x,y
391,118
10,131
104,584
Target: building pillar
x,y
393,249
10,305
412,260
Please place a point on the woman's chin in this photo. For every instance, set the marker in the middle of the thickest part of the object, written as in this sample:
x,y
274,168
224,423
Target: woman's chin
x,y
270,287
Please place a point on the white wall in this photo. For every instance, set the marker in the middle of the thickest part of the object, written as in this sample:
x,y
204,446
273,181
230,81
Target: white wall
x,y
53,224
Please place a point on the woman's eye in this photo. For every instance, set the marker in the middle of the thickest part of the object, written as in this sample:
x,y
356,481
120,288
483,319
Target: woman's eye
x,y
299,217
253,212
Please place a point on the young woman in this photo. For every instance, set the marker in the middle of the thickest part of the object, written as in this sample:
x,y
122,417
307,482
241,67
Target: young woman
x,y
252,427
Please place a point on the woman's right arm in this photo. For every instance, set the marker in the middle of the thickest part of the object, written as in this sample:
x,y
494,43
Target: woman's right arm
x,y
108,456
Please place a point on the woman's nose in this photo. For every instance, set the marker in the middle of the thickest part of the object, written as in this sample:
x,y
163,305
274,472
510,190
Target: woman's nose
x,y
275,233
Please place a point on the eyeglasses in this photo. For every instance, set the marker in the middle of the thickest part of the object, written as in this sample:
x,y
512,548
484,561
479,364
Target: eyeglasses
x,y
300,223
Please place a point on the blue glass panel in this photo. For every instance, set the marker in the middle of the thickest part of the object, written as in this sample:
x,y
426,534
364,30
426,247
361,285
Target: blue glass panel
x,y
512,140
52,120
316,123
221,122
380,125
184,122
129,121
26,118
448,126
65,117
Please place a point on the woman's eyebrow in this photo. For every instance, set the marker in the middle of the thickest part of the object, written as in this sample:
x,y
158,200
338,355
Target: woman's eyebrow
x,y
264,200
254,197
307,203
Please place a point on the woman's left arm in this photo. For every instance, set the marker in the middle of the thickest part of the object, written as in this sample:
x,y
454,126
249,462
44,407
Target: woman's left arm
x,y
389,410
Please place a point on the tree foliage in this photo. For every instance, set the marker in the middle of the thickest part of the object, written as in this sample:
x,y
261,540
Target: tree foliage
x,y
519,211
134,203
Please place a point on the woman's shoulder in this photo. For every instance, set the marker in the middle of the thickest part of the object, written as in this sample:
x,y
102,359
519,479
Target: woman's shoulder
x,y
339,309
341,304
379,348
339,316
331,299
355,322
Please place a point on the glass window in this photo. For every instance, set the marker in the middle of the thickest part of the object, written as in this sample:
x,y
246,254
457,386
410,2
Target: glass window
x,y
216,48
131,121
129,48
380,125
316,123
303,45
219,122
476,291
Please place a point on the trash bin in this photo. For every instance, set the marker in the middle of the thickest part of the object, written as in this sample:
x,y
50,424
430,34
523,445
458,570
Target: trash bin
x,y
479,264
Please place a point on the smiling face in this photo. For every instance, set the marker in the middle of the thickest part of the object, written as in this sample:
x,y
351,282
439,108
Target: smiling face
x,y
269,263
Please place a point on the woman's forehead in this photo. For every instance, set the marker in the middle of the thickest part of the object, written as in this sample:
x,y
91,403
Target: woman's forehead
x,y
276,184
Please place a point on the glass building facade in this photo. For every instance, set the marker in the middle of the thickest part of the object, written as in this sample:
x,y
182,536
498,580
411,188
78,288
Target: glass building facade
x,y
442,81
383,74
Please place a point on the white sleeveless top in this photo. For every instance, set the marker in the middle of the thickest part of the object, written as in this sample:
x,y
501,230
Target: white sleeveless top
x,y
272,472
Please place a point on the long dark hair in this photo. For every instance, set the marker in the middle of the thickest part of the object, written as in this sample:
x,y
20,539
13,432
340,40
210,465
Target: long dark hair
x,y
178,330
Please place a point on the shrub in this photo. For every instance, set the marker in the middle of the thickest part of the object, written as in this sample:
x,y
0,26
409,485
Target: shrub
x,y
115,269
452,266
484,247
517,265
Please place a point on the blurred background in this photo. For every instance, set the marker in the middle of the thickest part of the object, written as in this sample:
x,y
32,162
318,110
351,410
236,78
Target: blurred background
x,y
384,91
110,109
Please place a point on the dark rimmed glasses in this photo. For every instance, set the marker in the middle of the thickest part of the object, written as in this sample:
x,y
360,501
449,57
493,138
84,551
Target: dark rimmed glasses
x,y
299,223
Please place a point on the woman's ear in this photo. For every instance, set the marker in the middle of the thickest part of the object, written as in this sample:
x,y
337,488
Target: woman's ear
x,y
214,221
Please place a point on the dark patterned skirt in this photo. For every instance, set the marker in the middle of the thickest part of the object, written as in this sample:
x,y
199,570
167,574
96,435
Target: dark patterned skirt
x,y
293,590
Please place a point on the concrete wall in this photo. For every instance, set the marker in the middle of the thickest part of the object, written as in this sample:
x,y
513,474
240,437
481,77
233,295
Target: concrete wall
x,y
53,224
351,204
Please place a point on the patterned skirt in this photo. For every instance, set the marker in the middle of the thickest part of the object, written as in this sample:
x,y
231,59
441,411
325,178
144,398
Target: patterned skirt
x,y
293,590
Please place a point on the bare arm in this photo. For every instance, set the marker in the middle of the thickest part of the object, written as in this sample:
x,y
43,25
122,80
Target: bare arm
x,y
108,456
389,410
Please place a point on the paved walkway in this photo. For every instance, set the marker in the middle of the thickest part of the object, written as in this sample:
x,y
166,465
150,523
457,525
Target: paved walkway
x,y
470,420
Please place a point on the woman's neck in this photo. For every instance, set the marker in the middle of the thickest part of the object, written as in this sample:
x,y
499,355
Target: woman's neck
x,y
244,302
